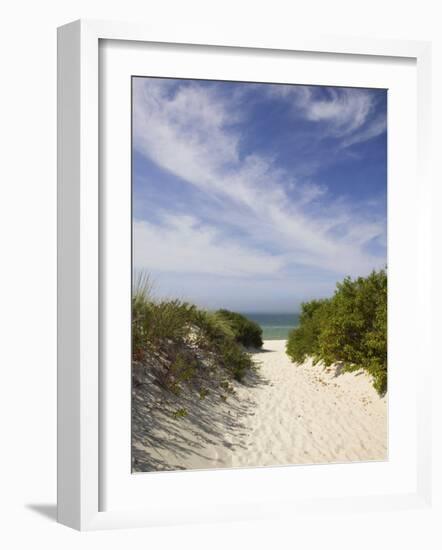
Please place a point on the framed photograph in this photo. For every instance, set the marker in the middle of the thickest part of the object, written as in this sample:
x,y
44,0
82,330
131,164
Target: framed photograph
x,y
243,276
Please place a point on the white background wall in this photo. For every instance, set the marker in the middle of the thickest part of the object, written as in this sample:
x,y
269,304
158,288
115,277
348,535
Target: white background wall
x,y
28,273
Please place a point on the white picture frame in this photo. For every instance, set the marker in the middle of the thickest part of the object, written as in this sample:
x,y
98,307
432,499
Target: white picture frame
x,y
80,292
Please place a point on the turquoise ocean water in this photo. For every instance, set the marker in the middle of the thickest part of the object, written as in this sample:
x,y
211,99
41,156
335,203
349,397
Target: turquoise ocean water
x,y
275,326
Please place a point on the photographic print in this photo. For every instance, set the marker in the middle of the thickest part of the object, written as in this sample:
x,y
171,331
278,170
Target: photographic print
x,y
259,263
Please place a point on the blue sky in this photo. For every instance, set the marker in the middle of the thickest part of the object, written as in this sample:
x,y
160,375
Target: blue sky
x,y
256,197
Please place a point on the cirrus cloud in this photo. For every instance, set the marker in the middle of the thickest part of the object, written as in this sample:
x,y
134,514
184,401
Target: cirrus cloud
x,y
257,218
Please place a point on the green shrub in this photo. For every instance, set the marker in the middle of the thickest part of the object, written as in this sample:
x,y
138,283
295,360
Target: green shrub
x,y
246,332
235,360
349,328
303,340
180,413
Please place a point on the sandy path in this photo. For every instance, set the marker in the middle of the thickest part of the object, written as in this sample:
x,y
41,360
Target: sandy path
x,y
306,414
287,414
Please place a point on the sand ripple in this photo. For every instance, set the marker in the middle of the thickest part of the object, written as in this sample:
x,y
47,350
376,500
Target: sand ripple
x,y
287,414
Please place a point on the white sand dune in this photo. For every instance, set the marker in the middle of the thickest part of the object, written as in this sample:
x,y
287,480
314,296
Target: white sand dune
x,y
286,414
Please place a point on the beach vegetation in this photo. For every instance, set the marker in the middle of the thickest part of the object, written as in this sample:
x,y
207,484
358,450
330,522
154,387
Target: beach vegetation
x,y
235,360
349,329
246,332
180,413
186,346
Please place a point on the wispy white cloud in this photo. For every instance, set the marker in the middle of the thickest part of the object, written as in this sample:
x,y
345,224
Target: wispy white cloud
x,y
344,112
374,128
182,244
193,133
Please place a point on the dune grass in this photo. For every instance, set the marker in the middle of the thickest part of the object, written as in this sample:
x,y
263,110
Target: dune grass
x,y
180,341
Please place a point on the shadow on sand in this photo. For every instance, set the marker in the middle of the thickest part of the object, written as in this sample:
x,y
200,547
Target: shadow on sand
x,y
160,441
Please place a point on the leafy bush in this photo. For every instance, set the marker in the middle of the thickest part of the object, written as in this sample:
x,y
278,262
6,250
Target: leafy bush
x,y
303,341
350,328
246,332
235,360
